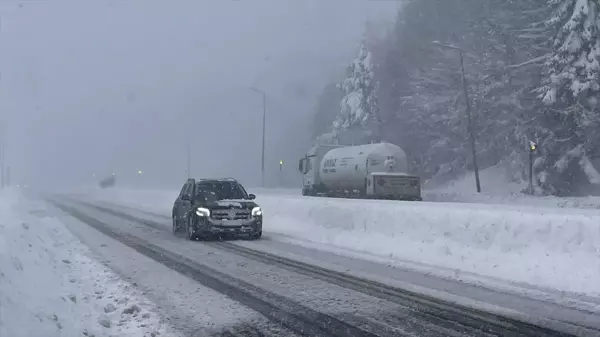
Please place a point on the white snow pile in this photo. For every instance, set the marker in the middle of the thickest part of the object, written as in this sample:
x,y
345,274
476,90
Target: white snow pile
x,y
497,189
556,248
49,287
535,246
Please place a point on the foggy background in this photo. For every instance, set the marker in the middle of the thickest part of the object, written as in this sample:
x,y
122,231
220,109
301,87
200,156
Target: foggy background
x,y
95,87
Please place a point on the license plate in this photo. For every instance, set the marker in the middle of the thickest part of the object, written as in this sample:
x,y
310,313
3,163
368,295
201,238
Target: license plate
x,y
232,223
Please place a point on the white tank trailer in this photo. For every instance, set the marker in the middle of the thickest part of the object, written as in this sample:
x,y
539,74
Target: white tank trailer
x,y
378,171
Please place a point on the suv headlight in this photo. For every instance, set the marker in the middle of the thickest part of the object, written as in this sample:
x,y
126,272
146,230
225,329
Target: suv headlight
x,y
201,211
256,211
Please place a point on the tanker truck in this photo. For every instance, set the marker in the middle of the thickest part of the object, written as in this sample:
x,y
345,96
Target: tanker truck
x,y
378,171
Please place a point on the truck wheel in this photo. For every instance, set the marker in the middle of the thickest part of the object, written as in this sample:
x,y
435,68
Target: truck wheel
x,y
190,233
310,191
363,192
256,236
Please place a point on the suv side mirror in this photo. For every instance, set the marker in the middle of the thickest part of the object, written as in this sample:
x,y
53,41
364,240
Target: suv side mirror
x,y
251,196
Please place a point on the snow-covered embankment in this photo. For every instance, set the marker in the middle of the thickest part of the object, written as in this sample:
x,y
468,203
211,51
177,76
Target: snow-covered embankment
x,y
50,287
532,245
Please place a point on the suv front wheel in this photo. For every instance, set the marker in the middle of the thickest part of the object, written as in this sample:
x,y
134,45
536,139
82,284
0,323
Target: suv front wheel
x,y
190,229
176,228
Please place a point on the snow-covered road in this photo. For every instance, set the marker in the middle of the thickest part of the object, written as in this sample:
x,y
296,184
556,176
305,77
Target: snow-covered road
x,y
321,294
286,283
335,302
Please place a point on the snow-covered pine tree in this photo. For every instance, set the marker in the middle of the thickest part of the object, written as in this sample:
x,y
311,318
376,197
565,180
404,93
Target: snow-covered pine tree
x,y
358,118
570,90
574,68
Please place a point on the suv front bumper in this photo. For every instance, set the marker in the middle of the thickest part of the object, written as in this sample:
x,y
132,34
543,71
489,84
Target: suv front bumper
x,y
209,226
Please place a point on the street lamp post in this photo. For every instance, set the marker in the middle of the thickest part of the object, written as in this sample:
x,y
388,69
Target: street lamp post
x,y
188,152
532,150
468,111
264,118
2,158
281,173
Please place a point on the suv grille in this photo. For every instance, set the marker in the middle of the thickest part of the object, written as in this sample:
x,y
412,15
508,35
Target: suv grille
x,y
230,214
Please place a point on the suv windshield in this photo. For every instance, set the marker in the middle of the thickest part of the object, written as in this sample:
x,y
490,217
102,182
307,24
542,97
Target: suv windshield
x,y
219,190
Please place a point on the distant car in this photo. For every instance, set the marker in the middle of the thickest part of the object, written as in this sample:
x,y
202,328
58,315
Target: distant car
x,y
109,181
216,208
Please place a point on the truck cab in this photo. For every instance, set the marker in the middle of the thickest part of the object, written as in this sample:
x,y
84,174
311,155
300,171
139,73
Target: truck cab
x,y
309,167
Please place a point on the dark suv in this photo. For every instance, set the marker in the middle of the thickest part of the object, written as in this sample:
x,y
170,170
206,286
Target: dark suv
x,y
216,208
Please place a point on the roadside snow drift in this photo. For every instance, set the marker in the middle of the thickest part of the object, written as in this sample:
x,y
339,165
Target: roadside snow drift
x,y
534,246
48,287
498,189
550,247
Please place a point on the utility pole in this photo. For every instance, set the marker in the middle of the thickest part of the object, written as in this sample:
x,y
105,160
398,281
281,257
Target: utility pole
x,y
470,123
470,128
264,119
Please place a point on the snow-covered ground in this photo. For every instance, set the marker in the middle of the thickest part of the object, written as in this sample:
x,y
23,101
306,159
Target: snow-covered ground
x,y
51,286
542,245
496,189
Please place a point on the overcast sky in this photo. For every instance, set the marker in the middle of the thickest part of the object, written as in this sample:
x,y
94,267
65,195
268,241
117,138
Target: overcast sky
x,y
93,87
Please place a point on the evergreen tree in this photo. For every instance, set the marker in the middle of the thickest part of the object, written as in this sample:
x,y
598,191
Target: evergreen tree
x,y
570,90
358,117
573,71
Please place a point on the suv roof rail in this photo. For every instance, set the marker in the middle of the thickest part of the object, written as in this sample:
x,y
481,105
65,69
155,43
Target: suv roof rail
x,y
226,178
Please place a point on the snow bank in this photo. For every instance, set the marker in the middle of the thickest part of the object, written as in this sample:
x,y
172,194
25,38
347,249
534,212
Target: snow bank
x,y
555,248
494,182
497,189
49,287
